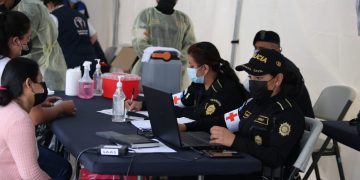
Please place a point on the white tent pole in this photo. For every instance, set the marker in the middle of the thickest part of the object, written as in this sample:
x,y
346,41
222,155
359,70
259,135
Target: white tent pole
x,y
235,40
115,40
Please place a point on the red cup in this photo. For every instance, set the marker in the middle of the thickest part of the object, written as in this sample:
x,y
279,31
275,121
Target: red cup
x,y
129,82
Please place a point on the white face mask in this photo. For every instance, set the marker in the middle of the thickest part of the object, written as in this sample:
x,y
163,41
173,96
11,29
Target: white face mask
x,y
194,78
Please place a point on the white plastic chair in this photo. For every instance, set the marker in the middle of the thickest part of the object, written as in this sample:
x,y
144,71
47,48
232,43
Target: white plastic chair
x,y
307,144
332,104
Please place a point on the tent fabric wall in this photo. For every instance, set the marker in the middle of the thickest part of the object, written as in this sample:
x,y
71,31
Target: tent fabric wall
x,y
320,36
358,15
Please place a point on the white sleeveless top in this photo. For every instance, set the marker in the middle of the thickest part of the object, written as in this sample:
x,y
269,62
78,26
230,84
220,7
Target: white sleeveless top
x,y
3,62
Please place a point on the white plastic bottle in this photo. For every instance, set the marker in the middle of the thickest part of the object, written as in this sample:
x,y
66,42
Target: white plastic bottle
x,y
86,84
72,81
118,109
97,79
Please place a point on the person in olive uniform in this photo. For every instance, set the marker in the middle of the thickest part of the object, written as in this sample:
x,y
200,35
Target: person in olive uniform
x,y
215,88
294,81
269,125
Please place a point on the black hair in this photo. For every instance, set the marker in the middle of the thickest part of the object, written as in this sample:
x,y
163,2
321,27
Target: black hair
x,y
55,2
207,53
14,75
12,24
267,36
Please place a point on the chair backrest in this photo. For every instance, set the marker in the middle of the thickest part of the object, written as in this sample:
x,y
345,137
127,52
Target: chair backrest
x,y
307,142
110,53
125,59
334,102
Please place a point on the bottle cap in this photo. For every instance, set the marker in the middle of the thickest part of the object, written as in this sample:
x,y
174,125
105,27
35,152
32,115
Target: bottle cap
x,y
87,65
119,84
98,63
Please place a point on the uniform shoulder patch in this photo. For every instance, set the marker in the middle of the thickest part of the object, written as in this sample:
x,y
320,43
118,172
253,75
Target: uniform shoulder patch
x,y
247,114
284,129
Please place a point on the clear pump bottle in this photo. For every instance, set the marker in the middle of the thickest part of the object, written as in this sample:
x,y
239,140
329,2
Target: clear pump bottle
x,y
118,109
86,84
97,79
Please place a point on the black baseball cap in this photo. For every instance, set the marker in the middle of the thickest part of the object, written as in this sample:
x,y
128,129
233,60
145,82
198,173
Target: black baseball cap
x,y
267,36
266,61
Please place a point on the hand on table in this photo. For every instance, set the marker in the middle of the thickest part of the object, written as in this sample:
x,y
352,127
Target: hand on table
x,y
221,135
133,105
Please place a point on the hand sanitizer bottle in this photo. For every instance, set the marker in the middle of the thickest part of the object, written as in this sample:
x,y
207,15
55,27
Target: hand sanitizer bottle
x,y
118,110
97,79
86,84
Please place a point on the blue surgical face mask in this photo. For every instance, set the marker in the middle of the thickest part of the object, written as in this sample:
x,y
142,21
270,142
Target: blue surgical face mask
x,y
194,78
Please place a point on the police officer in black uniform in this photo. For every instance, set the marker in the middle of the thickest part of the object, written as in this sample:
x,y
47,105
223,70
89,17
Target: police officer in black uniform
x,y
294,81
270,124
215,88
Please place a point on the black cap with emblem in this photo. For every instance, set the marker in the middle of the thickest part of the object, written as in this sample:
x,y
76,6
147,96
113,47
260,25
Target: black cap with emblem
x,y
267,36
266,61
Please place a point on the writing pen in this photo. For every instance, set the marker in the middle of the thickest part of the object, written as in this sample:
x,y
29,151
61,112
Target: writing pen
x,y
132,98
132,95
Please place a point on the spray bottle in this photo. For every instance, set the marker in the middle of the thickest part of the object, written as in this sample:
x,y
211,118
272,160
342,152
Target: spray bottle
x,y
86,84
118,103
97,79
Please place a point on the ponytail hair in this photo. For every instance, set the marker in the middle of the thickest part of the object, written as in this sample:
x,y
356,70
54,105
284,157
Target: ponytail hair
x,y
14,75
207,53
12,24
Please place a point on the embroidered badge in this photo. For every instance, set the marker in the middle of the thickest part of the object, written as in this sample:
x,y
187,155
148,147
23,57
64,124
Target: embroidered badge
x,y
215,101
210,109
246,114
262,120
258,140
284,129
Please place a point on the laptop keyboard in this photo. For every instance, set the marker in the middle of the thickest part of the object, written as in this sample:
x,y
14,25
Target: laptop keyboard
x,y
195,139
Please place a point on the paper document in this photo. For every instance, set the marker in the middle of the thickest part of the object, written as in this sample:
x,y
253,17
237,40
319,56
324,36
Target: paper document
x,y
160,149
106,111
109,112
145,124
184,120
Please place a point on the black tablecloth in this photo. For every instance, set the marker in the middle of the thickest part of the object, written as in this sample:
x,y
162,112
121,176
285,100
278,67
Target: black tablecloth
x,y
78,133
342,132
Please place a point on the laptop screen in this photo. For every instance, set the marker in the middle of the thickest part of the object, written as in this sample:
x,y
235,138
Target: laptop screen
x,y
162,115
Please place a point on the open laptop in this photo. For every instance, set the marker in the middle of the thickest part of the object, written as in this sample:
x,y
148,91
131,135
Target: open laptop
x,y
164,122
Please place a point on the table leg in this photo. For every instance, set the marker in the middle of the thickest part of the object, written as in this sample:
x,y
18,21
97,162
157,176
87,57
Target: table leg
x,y
200,177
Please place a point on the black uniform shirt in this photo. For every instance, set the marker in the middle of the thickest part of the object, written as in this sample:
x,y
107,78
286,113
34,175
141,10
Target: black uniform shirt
x,y
270,130
223,95
294,86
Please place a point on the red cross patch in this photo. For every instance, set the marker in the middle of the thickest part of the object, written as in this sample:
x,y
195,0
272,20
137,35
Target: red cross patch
x,y
177,99
232,120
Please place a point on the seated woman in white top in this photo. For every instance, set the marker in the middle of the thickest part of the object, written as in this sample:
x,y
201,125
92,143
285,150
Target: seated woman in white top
x,y
15,32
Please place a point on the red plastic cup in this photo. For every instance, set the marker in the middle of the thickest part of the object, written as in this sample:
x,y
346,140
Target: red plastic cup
x,y
129,82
